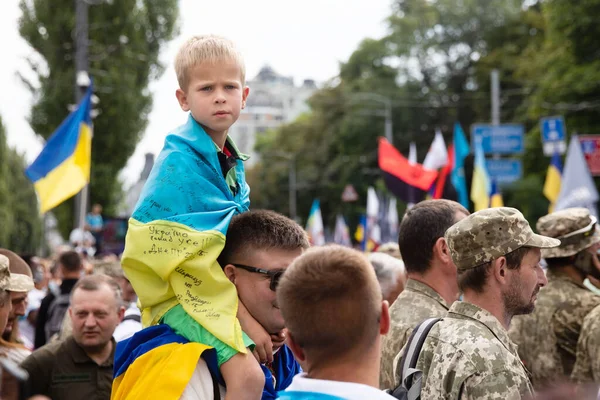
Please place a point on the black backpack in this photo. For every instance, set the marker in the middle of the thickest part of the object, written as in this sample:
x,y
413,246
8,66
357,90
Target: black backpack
x,y
410,376
56,314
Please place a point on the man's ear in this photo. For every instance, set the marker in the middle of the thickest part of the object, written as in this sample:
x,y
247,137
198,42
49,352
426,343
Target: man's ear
x,y
442,251
384,321
500,270
295,347
230,272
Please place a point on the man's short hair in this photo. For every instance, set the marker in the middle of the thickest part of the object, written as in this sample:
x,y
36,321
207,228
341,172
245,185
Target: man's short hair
x,y
70,261
421,227
331,302
94,282
205,48
261,230
474,278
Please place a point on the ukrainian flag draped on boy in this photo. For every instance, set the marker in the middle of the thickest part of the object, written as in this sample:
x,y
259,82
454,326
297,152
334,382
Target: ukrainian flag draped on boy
x,y
177,231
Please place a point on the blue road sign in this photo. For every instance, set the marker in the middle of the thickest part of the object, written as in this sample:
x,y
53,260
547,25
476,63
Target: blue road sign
x,y
554,135
499,139
504,171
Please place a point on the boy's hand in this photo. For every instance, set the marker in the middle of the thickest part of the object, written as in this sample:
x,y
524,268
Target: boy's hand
x,y
279,338
263,350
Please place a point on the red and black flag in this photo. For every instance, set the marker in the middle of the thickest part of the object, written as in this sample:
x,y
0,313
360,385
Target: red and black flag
x,y
409,182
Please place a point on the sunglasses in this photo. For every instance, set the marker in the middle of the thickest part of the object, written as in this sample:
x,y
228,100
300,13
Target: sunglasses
x,y
274,275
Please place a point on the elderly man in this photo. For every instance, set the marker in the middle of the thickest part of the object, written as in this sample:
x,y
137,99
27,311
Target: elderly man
x,y
81,366
260,246
547,339
22,282
468,355
431,285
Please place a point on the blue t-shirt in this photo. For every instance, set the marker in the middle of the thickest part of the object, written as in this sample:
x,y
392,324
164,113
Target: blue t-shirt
x,y
94,221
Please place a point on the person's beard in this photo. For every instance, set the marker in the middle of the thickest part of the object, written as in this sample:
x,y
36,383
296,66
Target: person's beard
x,y
513,303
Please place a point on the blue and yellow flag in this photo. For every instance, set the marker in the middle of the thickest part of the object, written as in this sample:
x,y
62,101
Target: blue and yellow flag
x,y
457,176
177,231
480,187
360,233
157,363
62,168
496,196
553,181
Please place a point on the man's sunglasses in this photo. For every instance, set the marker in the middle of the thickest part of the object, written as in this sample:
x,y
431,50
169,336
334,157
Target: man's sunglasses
x,y
274,275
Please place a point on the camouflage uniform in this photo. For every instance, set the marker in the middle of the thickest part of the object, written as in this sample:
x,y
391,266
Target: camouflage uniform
x,y
547,338
468,355
587,364
416,303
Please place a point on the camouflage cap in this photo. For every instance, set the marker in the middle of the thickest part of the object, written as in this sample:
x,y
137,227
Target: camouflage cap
x,y
575,227
4,273
489,234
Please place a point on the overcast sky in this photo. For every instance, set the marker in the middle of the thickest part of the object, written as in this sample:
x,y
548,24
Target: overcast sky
x,y
303,39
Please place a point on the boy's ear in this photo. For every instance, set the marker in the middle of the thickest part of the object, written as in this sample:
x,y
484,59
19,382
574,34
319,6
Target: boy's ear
x,y
295,347
245,94
182,99
230,272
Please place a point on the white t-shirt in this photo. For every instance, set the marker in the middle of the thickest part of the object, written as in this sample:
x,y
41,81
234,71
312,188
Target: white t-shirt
x,y
346,390
128,327
200,386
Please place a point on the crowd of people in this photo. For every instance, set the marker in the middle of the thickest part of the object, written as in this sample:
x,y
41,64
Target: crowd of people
x,y
213,300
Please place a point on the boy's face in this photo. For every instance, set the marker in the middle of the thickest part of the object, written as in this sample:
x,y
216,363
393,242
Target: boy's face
x,y
215,95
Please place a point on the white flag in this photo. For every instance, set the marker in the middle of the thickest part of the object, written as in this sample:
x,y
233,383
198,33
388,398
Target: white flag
x,y
437,156
577,187
314,225
392,219
373,230
342,233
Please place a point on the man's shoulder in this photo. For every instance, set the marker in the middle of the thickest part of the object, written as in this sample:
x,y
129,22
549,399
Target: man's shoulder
x,y
47,354
475,343
421,307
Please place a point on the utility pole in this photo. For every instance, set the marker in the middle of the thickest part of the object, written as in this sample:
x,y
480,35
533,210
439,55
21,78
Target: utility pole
x,y
388,121
495,78
82,82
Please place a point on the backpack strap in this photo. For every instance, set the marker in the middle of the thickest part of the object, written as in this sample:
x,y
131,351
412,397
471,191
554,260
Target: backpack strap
x,y
132,317
411,377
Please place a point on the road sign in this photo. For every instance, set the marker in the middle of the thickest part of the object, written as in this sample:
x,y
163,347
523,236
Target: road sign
x,y
504,171
349,194
499,139
554,135
590,144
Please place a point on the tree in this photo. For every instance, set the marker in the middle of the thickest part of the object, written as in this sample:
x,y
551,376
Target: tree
x,y
19,216
125,38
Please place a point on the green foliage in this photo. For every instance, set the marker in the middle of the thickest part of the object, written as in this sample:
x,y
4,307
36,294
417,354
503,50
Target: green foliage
x,y
21,225
125,38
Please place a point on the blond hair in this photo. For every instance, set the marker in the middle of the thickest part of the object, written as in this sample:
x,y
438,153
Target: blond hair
x,y
331,302
205,48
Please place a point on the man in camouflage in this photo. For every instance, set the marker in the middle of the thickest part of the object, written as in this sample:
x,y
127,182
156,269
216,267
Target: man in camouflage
x,y
468,355
587,363
431,285
547,339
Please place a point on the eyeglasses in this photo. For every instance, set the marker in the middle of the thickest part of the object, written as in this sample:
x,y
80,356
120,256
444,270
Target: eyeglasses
x,y
274,275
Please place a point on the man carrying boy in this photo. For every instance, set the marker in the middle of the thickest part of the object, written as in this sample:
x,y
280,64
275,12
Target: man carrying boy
x,y
177,230
260,246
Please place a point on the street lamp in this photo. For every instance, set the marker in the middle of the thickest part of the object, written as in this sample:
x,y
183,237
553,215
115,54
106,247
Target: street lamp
x,y
386,113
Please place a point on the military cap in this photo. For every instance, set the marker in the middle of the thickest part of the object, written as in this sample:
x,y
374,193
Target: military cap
x,y
9,281
575,227
489,234
20,274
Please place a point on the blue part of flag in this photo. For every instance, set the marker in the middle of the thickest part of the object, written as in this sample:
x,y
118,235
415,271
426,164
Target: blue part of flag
x,y
457,176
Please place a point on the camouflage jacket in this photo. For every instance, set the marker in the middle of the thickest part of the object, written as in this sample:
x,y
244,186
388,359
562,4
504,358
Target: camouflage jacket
x,y
468,355
547,338
416,303
587,364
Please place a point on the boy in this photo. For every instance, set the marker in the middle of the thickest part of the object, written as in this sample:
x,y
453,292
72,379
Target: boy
x,y
178,228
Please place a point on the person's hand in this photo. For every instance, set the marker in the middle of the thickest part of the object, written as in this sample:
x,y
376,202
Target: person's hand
x,y
278,339
263,349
